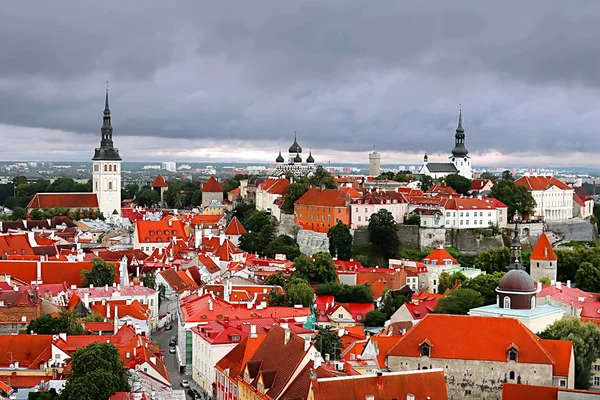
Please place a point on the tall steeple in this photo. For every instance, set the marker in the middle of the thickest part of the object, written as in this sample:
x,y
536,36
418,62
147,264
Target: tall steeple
x,y
515,251
106,151
459,150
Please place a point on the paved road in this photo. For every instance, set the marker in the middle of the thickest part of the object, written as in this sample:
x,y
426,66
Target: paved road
x,y
162,338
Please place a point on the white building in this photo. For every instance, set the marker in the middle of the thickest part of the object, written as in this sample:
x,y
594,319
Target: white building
x,y
459,160
294,163
374,163
106,166
268,193
170,166
553,197
458,213
371,202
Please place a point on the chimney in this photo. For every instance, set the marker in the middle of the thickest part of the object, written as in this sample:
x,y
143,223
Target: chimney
x,y
568,283
288,334
210,305
379,379
253,334
559,285
39,271
107,309
116,320
539,286
307,343
106,287
545,252
221,238
86,300
198,238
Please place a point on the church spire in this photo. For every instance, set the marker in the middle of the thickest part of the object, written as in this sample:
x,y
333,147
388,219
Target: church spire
x,y
459,150
106,151
460,126
515,250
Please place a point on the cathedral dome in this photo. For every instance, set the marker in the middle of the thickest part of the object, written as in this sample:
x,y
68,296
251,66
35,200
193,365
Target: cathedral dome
x,y
279,158
517,280
295,147
297,159
310,158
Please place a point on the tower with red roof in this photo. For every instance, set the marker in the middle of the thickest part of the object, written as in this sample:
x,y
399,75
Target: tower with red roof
x,y
543,260
211,191
160,186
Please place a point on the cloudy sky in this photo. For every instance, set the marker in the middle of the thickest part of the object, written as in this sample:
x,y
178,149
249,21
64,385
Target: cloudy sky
x,y
232,80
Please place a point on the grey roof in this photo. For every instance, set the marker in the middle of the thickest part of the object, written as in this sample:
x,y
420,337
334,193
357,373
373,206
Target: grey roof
x,y
441,167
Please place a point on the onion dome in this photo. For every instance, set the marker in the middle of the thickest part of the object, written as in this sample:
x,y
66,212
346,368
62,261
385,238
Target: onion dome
x,y
425,158
459,150
297,159
295,147
517,280
310,158
279,158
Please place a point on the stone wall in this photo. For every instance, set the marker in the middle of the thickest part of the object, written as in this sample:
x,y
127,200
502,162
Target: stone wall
x,y
312,242
573,229
470,241
287,226
431,238
361,235
483,379
409,236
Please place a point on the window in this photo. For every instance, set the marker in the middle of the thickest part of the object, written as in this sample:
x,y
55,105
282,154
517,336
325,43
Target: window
x,y
467,392
461,222
481,213
475,222
563,383
467,214
359,218
533,302
96,168
425,350
597,381
596,367
480,222
512,354
511,376
461,214
110,185
105,167
340,316
506,302
366,209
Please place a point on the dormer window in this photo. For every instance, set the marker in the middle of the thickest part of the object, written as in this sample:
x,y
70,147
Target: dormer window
x,y
513,353
425,349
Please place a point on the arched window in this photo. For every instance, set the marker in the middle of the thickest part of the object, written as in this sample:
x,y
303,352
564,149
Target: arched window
x,y
425,350
507,302
497,301
511,376
532,302
109,185
115,168
105,167
512,354
110,167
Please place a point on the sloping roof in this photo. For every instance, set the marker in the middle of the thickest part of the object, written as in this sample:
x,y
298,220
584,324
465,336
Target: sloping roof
x,y
541,182
159,182
237,358
354,194
478,184
325,197
22,348
161,231
384,344
275,185
443,189
208,263
235,228
561,351
543,250
15,243
470,337
52,271
426,303
581,192
441,167
439,256
212,186
427,384
520,391
68,200
174,280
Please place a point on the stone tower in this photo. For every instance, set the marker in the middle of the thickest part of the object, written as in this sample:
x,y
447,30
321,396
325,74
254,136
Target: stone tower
x,y
374,163
460,155
106,169
543,260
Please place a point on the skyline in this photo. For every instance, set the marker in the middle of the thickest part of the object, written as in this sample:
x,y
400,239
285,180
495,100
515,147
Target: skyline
x,y
198,83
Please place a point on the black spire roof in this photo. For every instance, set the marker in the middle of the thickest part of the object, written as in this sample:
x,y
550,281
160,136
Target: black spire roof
x,y
310,158
279,158
515,251
459,150
297,159
295,147
106,151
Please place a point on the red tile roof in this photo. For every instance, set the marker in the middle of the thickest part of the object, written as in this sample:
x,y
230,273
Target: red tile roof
x,y
212,186
583,194
325,197
543,250
384,344
208,263
428,384
443,189
68,200
354,194
422,304
469,337
52,271
561,351
136,309
236,359
207,220
174,280
99,326
478,184
159,182
541,182
15,244
495,202
161,231
439,256
235,228
275,185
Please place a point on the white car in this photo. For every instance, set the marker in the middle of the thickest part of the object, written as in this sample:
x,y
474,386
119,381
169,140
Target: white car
x,y
172,350
184,384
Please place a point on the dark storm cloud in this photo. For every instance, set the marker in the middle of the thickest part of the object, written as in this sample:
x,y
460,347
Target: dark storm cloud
x,y
346,74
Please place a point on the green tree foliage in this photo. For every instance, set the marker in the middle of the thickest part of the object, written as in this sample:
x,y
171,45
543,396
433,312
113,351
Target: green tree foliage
x,y
586,345
375,318
426,183
129,191
300,293
489,175
383,234
507,176
516,198
149,280
180,194
66,322
292,193
448,281
385,176
242,208
101,274
265,237
276,299
327,341
493,260
340,241
588,276
283,244
387,305
321,270
97,373
403,176
255,221
19,213
249,242
20,192
321,177
49,395
413,219
569,261
93,317
486,285
459,301
465,260
459,183
347,294
147,197
276,279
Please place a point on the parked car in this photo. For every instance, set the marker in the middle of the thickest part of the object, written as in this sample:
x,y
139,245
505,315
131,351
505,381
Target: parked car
x,y
184,383
173,341
193,393
172,350
168,327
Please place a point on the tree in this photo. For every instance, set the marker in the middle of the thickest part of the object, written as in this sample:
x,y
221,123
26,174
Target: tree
x,y
276,279
97,372
276,299
588,276
386,305
129,191
383,234
385,176
459,183
249,242
347,294
325,270
255,221
304,267
149,280
147,197
488,175
426,183
493,260
507,176
586,345
101,274
403,176
283,244
485,285
66,322
340,241
375,318
320,177
458,301
44,325
292,193
413,219
19,213
545,281
300,293
447,281
327,341
517,198
242,208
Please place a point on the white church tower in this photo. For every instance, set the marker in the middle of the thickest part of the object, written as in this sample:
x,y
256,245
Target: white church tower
x,y
106,167
460,155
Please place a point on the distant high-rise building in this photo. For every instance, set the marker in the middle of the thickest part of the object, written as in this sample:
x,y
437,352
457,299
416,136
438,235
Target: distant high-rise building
x,y
106,169
170,166
374,163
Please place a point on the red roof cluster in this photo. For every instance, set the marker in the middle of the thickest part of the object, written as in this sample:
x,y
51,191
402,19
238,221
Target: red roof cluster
x,y
541,183
439,256
67,200
161,231
235,228
275,185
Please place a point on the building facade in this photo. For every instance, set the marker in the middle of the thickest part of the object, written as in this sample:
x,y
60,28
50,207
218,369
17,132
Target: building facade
x,y
374,163
553,198
320,209
106,169
295,164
